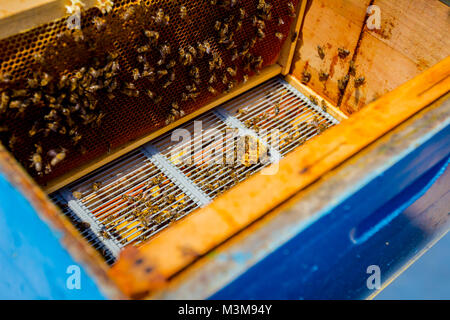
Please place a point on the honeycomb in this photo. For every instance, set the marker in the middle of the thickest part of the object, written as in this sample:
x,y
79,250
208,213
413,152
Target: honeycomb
x,y
133,111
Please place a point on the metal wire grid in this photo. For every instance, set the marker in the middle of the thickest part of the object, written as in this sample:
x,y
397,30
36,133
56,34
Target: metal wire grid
x,y
133,198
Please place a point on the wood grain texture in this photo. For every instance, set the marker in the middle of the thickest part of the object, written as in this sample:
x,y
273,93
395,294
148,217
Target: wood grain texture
x,y
332,25
413,37
138,271
10,7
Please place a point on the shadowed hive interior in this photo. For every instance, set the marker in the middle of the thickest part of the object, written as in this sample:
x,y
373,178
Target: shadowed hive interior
x,y
70,96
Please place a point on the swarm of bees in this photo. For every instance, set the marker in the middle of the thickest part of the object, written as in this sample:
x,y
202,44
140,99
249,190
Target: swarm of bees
x,y
83,67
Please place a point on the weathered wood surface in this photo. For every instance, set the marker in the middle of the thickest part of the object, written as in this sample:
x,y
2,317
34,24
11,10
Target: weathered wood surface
x,y
413,37
331,25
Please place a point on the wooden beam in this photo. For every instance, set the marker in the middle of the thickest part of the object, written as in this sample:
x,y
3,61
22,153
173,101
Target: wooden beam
x,y
140,270
288,50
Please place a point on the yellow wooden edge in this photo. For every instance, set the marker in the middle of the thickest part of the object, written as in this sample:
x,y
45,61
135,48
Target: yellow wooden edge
x,y
266,74
288,50
141,270
29,17
307,91
407,266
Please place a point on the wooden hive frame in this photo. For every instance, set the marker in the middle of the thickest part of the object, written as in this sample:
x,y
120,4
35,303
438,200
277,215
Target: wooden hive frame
x,y
212,226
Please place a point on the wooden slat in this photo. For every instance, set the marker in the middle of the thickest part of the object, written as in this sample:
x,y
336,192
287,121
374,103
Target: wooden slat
x,y
266,74
413,37
11,7
288,50
30,15
139,271
330,24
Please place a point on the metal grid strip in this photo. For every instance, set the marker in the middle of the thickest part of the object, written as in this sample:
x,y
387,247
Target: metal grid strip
x,y
143,181
166,166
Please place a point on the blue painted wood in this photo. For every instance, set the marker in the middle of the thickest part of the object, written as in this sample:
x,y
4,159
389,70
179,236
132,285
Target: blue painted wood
x,y
33,263
325,261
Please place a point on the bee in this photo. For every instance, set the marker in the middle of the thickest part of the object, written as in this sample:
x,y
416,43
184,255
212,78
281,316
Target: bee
x,y
242,112
128,13
99,119
238,26
291,8
83,225
76,138
4,102
279,35
313,100
218,25
96,186
212,79
18,93
242,14
167,84
57,156
47,169
171,64
170,119
161,18
352,68
46,78
252,42
225,80
136,74
164,50
232,71
343,53
212,90
323,76
32,83
104,233
144,48
187,59
359,81
245,78
280,22
235,55
342,83
77,195
99,23
36,162
195,72
162,73
12,142
202,49
306,76
5,77
321,52
183,12
277,109
324,106
152,35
